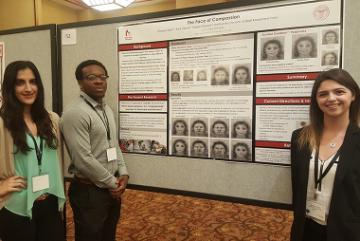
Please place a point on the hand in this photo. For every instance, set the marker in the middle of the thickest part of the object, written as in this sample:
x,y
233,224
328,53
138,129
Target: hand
x,y
122,182
12,184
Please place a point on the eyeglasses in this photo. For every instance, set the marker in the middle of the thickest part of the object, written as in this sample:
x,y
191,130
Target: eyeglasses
x,y
93,77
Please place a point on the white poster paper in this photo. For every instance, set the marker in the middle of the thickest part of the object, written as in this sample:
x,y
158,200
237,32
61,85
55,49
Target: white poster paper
x,y
230,86
143,133
298,50
282,106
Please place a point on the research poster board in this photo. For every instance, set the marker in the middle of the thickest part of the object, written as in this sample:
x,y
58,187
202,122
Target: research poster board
x,y
2,66
284,81
230,86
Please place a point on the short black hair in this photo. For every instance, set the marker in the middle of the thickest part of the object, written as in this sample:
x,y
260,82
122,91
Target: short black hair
x,y
79,68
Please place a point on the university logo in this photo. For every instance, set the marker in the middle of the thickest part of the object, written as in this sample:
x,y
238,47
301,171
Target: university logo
x,y
321,12
128,35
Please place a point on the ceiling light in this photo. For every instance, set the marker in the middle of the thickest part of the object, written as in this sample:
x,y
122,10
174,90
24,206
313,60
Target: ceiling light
x,y
107,5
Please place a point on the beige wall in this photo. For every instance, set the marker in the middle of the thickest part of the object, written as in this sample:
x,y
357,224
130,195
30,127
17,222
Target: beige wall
x,y
16,14
52,11
21,13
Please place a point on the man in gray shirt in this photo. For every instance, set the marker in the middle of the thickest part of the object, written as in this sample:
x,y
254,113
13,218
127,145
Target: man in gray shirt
x,y
100,174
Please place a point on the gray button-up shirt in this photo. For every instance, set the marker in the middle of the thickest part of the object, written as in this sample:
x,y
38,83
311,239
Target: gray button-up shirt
x,y
84,127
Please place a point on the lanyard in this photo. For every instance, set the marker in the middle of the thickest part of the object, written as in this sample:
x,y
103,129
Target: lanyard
x,y
318,178
104,120
39,151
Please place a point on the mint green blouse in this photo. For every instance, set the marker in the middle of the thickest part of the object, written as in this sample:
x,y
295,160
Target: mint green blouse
x,y
26,165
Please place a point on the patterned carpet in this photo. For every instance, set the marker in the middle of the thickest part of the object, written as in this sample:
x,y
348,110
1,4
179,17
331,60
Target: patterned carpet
x,y
149,216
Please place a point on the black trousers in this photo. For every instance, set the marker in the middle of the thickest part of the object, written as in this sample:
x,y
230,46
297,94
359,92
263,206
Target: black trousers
x,y
96,213
46,223
314,231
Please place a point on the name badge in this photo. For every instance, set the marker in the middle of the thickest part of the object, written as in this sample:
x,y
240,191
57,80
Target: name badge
x,y
316,210
111,154
40,182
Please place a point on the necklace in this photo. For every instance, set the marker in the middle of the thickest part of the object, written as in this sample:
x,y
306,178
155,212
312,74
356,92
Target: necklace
x,y
332,144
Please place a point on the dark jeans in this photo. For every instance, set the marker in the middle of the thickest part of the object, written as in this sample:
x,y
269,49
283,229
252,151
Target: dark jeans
x,y
46,223
314,231
96,213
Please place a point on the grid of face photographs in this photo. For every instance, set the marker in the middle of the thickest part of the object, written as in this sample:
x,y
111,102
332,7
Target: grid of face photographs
x,y
216,138
216,75
189,75
315,43
143,146
303,46
331,47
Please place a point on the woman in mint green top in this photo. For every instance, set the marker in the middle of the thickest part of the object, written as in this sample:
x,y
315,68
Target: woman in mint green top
x,y
26,166
31,181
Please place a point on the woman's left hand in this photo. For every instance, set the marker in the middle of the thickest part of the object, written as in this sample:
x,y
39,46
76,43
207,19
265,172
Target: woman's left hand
x,y
12,184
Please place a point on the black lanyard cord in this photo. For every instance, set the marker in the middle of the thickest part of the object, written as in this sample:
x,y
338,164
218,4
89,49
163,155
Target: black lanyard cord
x,y
104,120
107,123
38,150
318,178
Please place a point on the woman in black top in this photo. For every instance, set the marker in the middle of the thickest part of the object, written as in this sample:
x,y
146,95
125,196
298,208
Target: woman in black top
x,y
325,163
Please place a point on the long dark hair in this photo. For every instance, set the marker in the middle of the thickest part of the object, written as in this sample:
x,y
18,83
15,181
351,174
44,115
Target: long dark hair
x,y
199,122
247,135
247,156
179,141
182,122
311,134
12,109
220,122
329,53
246,69
313,46
220,68
219,143
202,143
333,32
280,54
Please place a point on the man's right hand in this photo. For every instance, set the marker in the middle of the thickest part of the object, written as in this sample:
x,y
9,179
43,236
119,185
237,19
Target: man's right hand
x,y
116,193
12,184
121,182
